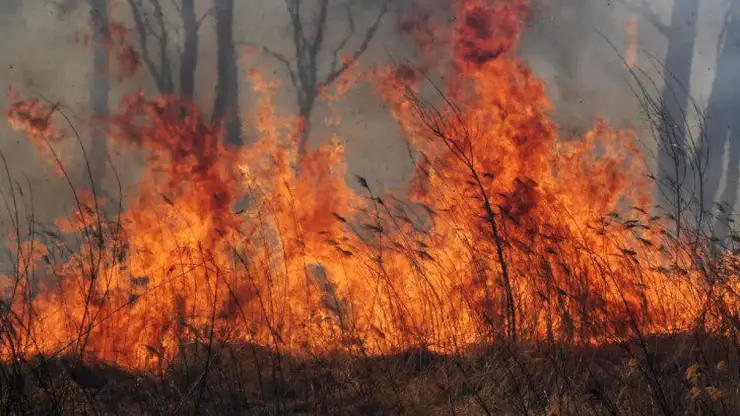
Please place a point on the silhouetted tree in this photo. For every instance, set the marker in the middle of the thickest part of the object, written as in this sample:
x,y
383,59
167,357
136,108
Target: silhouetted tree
x,y
309,31
722,126
153,32
149,20
226,106
189,57
675,146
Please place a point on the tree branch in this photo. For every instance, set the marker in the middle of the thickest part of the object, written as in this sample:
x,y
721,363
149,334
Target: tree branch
x,y
369,35
141,25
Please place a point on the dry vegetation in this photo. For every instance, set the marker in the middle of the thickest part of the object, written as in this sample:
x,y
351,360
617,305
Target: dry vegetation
x,y
694,370
515,279
679,374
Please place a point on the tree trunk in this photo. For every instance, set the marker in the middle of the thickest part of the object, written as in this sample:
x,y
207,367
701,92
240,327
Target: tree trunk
x,y
189,58
673,171
226,107
305,110
723,122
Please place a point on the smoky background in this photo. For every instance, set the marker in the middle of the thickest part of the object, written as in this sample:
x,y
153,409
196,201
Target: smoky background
x,y
693,44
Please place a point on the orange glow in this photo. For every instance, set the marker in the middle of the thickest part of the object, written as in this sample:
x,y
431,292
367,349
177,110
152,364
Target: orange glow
x,y
508,229
630,56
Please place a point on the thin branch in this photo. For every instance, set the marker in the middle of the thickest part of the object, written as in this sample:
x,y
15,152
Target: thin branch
x,y
369,35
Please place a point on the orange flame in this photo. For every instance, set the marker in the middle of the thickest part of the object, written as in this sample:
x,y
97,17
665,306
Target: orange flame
x,y
630,56
507,229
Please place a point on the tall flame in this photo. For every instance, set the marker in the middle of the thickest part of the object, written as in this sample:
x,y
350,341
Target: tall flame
x,y
508,230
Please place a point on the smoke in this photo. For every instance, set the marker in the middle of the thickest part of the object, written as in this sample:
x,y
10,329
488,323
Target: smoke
x,y
568,43
564,43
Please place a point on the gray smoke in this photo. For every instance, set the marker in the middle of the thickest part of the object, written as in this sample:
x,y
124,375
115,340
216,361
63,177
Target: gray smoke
x,y
564,43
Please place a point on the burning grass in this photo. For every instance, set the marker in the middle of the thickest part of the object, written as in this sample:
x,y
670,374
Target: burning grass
x,y
543,249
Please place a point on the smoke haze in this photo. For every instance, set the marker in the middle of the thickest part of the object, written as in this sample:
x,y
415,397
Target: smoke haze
x,y
565,43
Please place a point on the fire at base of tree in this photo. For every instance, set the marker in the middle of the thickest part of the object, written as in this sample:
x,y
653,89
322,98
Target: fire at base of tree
x,y
522,273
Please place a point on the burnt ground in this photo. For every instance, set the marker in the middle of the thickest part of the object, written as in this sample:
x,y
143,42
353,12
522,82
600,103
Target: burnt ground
x,y
677,374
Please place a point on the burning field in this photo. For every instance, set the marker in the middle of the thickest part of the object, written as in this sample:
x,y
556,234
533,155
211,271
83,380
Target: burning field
x,y
523,272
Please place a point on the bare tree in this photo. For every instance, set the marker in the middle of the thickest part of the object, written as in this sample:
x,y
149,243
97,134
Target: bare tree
x,y
156,47
226,107
722,126
154,32
675,146
189,54
309,31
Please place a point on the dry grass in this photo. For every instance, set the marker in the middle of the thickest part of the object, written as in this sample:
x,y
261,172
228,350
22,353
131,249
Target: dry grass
x,y
696,375
692,372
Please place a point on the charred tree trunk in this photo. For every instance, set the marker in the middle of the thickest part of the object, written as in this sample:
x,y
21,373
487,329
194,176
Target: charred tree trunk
x,y
99,94
306,103
307,51
189,58
722,125
226,107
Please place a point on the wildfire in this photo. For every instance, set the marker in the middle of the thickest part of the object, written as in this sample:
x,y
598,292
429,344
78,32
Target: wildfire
x,y
508,230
